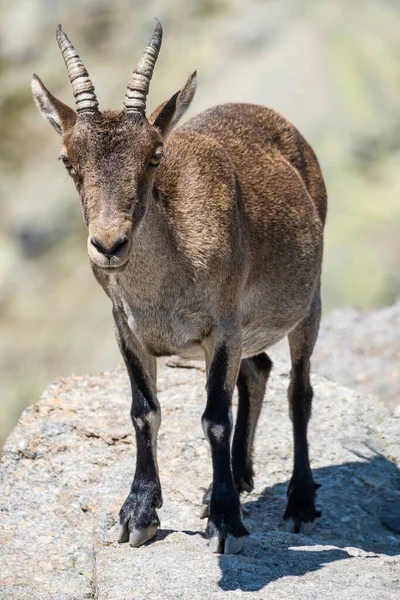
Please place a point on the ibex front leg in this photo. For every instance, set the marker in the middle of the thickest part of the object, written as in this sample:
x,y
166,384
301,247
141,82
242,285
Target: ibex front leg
x,y
138,517
225,529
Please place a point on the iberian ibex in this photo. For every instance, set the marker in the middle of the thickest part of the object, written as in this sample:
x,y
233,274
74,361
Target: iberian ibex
x,y
208,241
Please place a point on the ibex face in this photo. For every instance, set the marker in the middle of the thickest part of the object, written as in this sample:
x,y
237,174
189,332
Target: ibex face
x,y
112,159
112,156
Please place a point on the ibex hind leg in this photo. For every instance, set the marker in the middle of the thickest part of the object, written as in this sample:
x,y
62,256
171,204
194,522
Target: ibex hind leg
x,y
225,530
301,514
252,381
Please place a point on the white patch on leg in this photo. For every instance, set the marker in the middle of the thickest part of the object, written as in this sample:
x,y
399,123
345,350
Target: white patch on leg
x,y
140,423
217,431
154,420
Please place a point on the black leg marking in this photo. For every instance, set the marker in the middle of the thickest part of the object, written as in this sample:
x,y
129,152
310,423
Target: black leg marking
x,y
225,529
252,381
301,513
138,516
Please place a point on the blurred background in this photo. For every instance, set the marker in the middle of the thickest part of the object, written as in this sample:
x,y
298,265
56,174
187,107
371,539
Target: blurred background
x,y
332,67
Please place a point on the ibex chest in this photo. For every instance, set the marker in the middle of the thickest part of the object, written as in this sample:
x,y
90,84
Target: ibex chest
x,y
165,326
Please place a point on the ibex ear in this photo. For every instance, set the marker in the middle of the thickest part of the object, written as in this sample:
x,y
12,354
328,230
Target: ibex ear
x,y
167,115
58,114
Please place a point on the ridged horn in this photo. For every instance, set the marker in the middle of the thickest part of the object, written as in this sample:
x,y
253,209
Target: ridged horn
x,y
138,86
82,87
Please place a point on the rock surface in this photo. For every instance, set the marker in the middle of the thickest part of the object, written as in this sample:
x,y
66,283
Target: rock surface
x,y
360,349
67,468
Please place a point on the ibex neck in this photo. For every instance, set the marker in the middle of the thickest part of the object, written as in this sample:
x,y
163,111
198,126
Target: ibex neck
x,y
153,248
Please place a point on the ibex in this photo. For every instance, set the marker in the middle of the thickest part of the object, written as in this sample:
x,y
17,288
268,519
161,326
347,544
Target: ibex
x,y
208,241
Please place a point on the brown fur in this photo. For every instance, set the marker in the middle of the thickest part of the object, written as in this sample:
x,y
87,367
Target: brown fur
x,y
220,256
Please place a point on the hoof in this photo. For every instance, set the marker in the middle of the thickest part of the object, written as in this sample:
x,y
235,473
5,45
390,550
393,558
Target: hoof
x,y
242,485
205,507
225,530
123,535
141,536
138,519
215,543
245,486
231,545
244,481
136,537
301,514
293,525
226,535
204,511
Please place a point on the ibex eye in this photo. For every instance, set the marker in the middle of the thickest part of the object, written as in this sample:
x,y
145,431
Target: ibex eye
x,y
155,159
67,164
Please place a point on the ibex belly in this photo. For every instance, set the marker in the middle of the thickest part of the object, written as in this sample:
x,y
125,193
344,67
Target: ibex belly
x,y
171,335
177,330
255,341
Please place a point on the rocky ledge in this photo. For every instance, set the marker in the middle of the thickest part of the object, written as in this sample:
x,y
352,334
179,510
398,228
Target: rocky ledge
x,y
67,468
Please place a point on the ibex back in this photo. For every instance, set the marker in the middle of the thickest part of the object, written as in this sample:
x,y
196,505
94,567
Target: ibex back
x,y
208,241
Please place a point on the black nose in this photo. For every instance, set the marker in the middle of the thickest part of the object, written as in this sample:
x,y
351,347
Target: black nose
x,y
112,248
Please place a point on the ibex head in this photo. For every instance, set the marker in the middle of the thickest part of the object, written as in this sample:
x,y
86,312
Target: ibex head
x,y
112,156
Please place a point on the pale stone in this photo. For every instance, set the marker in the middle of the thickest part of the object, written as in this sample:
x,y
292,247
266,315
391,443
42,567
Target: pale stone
x,y
67,468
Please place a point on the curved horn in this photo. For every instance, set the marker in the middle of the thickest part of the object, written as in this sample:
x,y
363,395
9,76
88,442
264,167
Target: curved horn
x,y
138,86
82,87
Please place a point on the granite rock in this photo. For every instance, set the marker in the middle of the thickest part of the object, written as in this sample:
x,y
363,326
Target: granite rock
x,y
68,465
360,349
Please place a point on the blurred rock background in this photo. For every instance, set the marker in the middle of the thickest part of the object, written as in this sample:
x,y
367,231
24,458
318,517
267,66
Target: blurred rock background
x,y
331,66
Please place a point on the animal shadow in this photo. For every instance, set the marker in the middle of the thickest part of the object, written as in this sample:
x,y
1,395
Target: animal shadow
x,y
360,509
